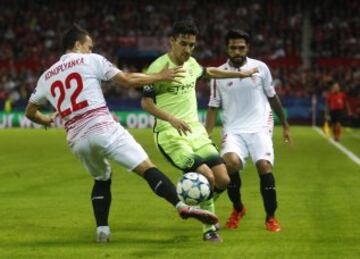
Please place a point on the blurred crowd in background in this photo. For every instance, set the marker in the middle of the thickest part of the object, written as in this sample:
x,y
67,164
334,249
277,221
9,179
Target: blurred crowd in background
x,y
307,44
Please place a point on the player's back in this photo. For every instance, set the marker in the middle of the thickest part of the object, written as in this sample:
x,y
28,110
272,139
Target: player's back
x,y
73,84
73,87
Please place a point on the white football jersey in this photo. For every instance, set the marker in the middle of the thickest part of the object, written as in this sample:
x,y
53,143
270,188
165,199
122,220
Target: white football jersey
x,y
244,100
73,87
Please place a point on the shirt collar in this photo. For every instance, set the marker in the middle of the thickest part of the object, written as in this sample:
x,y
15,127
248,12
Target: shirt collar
x,y
229,66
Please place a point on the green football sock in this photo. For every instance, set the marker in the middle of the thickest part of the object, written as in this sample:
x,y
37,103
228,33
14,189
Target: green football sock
x,y
208,205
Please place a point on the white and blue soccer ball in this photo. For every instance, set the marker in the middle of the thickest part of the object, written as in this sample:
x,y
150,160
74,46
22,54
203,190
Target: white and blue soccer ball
x,y
193,188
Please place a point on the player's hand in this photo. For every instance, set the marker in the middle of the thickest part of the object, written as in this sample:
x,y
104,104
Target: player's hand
x,y
287,136
52,117
181,126
172,74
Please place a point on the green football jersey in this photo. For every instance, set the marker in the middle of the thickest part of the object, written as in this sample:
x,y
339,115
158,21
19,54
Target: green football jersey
x,y
178,99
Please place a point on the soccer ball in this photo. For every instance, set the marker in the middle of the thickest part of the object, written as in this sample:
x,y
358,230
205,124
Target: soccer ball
x,y
193,188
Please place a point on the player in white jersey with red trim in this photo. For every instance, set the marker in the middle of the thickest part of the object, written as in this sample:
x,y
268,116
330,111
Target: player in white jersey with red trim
x,y
73,87
247,125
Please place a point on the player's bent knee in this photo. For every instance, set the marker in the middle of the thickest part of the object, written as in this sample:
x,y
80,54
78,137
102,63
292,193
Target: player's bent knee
x,y
223,181
211,179
233,163
206,171
222,178
264,167
143,167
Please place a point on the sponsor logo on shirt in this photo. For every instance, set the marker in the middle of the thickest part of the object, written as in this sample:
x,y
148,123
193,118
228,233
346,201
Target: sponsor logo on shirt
x,y
181,89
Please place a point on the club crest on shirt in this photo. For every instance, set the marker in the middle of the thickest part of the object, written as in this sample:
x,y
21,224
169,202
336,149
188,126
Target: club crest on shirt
x,y
189,162
230,84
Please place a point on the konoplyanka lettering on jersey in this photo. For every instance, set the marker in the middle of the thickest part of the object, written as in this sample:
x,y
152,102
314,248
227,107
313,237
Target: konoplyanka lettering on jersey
x,y
63,67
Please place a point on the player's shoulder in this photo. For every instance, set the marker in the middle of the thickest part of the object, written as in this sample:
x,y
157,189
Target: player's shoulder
x,y
46,74
94,56
41,78
224,66
160,61
257,62
192,63
192,60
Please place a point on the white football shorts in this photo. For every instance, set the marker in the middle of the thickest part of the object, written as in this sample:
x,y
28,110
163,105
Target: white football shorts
x,y
259,145
116,144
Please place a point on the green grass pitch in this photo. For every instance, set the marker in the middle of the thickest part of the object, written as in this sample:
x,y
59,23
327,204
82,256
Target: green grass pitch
x,y
45,209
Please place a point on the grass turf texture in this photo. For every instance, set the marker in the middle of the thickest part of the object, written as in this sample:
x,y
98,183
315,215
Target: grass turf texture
x,y
45,208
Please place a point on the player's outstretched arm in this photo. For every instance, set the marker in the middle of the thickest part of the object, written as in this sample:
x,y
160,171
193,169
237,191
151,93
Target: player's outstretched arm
x,y
210,119
139,79
213,72
149,105
33,113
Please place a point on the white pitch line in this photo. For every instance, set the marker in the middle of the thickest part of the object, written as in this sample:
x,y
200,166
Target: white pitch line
x,y
343,149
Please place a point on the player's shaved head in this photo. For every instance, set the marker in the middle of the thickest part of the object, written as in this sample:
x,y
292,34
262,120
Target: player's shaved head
x,y
186,27
72,35
237,34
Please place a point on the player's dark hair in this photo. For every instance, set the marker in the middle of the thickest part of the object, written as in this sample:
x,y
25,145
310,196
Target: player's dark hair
x,y
237,34
186,27
73,34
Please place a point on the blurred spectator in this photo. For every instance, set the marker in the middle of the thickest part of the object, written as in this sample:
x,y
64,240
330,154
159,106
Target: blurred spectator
x,y
31,29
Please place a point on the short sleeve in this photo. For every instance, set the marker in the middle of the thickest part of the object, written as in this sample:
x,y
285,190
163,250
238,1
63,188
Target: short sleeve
x,y
268,82
38,96
215,98
104,69
199,70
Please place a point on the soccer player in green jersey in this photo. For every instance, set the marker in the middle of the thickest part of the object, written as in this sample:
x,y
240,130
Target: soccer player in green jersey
x,y
179,135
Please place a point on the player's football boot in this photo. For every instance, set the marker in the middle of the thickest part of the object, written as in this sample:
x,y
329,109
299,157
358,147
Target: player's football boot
x,y
204,216
212,236
103,234
272,225
234,219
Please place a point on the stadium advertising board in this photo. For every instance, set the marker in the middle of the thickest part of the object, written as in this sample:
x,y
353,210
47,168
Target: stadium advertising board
x,y
129,119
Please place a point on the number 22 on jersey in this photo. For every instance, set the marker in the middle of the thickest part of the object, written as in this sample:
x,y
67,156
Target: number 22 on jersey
x,y
59,91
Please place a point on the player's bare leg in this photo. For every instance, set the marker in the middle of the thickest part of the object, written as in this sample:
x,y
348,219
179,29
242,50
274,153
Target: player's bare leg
x,y
233,165
164,188
268,192
222,178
